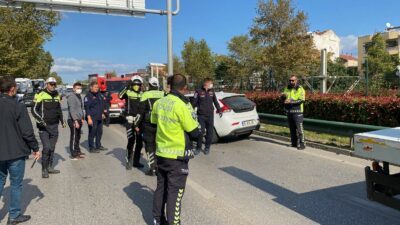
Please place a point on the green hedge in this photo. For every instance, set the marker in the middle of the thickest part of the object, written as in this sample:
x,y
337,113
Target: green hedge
x,y
380,111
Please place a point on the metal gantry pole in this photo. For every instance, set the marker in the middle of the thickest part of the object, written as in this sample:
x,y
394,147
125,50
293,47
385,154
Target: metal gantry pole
x,y
169,28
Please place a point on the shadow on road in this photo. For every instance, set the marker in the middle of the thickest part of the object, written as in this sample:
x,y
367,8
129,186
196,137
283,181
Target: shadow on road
x,y
118,153
142,197
344,204
269,141
29,193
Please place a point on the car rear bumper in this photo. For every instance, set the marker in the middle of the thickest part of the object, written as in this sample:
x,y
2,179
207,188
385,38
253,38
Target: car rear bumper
x,y
244,130
116,113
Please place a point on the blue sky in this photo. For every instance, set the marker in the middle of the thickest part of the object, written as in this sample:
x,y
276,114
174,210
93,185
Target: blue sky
x,y
88,43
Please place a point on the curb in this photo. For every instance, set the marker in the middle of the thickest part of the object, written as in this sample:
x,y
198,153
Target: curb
x,y
328,148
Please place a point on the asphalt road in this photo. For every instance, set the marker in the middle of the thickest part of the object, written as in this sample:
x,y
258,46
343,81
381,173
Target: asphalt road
x,y
251,181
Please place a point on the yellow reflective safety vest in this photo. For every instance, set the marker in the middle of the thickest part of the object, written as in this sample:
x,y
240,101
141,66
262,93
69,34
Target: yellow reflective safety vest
x,y
175,118
296,96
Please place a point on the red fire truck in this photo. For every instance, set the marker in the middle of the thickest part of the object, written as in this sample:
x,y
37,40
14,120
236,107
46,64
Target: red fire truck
x,y
113,85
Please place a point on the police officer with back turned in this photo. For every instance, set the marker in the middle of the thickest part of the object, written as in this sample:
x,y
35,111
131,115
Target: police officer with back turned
x,y
203,100
48,114
176,127
149,130
294,96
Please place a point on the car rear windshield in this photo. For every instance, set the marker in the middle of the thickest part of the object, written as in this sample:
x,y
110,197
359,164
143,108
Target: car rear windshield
x,y
116,86
239,104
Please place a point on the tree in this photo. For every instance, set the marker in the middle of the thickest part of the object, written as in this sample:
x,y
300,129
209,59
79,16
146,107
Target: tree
x,y
23,34
225,69
282,32
379,60
198,60
179,67
245,52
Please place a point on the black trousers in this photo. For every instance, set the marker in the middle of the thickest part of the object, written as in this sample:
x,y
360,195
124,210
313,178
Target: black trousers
x,y
207,129
149,137
133,138
296,128
75,138
49,137
171,181
95,132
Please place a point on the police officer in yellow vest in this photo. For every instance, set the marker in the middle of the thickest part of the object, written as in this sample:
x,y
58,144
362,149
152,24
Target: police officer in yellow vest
x,y
177,127
132,94
149,130
48,114
294,96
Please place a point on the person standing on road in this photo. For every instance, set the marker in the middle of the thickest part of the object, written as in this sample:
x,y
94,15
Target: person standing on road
x,y
75,121
176,127
203,100
107,103
94,107
149,130
132,94
17,141
48,114
294,96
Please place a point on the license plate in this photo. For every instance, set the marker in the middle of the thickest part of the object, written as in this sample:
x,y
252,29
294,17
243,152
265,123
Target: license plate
x,y
114,106
248,123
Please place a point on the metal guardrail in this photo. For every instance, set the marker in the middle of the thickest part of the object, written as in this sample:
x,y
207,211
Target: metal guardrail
x,y
323,126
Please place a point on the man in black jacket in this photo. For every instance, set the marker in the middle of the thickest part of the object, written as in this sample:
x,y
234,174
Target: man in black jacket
x,y
204,99
17,141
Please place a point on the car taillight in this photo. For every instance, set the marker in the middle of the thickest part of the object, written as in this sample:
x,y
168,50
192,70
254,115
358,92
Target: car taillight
x,y
224,107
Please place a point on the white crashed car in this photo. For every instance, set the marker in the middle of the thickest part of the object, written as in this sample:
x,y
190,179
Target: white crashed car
x,y
239,118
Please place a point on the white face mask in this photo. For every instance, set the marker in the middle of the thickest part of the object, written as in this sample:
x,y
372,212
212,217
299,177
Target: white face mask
x,y
78,91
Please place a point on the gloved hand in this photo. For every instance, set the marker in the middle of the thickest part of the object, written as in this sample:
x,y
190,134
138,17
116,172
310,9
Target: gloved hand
x,y
130,119
220,114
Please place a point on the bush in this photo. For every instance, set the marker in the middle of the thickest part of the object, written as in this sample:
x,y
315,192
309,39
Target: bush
x,y
380,111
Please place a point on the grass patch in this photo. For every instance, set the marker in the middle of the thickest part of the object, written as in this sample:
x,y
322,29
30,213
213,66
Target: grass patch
x,y
322,138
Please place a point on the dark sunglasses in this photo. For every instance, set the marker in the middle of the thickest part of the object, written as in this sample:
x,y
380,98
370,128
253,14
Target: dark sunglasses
x,y
292,80
53,84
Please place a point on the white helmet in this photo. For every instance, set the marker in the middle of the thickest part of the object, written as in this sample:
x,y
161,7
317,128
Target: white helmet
x,y
51,80
137,79
154,82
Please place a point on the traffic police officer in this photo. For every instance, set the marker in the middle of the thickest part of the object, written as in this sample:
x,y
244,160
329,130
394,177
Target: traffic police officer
x,y
203,100
149,130
132,94
94,107
176,125
294,96
48,114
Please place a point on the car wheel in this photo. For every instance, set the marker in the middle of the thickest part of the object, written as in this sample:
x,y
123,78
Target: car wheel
x,y
244,136
215,137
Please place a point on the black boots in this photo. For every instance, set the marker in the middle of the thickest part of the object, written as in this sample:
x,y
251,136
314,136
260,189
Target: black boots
x,y
51,170
45,173
19,219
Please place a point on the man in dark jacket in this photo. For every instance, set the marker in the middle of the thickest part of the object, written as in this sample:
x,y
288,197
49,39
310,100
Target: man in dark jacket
x,y
94,106
17,141
48,114
203,100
